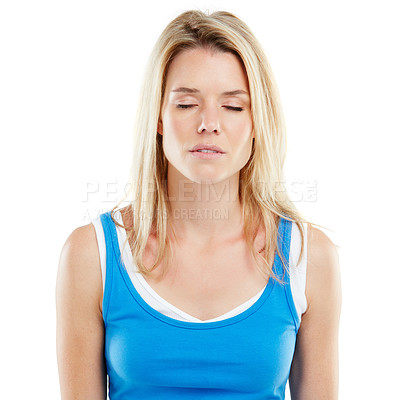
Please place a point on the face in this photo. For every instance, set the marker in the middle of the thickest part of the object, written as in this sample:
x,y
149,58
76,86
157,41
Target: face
x,y
196,110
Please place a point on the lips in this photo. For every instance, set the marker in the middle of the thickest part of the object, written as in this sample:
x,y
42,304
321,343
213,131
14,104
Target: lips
x,y
207,147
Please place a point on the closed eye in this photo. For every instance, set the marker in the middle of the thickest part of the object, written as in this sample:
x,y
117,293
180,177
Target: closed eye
x,y
186,106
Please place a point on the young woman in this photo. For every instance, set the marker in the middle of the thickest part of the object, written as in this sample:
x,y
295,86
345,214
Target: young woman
x,y
209,284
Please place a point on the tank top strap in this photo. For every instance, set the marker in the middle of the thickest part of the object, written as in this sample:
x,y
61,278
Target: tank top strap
x,y
112,255
284,239
110,233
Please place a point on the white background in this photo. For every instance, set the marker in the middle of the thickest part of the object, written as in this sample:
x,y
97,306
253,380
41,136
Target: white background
x,y
69,80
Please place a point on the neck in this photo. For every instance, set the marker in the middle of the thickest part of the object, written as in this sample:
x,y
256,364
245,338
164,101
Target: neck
x,y
205,213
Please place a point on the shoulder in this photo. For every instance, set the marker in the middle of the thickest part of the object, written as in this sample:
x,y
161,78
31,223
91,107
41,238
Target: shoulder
x,y
314,370
79,270
323,270
81,244
79,323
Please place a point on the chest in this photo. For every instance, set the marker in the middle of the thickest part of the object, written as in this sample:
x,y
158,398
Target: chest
x,y
152,356
248,359
207,284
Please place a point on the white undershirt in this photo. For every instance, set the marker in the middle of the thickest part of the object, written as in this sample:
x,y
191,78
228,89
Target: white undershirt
x,y
297,275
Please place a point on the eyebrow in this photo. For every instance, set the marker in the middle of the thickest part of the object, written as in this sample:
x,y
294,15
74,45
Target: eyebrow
x,y
192,90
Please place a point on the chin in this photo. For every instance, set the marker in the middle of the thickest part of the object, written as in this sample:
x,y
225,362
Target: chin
x,y
207,179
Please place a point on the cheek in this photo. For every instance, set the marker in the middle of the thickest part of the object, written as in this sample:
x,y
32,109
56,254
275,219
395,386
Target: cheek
x,y
176,126
175,133
241,133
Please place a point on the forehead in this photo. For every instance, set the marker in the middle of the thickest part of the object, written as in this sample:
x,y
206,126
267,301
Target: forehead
x,y
202,69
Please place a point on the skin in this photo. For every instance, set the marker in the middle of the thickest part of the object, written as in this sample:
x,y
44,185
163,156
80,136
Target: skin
x,y
80,329
212,118
315,367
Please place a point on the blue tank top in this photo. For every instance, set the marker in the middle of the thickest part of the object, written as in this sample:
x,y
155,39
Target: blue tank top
x,y
152,356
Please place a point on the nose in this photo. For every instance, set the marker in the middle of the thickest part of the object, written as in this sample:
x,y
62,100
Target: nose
x,y
209,121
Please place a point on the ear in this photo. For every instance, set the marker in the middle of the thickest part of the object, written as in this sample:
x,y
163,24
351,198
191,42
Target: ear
x,y
159,127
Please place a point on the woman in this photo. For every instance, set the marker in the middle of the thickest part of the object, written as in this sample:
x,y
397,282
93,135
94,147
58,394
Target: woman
x,y
209,284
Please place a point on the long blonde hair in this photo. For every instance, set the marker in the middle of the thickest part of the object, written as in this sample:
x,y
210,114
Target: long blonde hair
x,y
262,192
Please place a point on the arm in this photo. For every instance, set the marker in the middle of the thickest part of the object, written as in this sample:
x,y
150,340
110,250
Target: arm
x,y
80,328
315,366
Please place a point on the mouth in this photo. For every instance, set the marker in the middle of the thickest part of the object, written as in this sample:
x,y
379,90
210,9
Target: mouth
x,y
207,149
206,155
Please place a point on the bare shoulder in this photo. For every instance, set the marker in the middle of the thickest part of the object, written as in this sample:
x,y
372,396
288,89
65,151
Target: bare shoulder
x,y
80,327
314,371
80,262
323,270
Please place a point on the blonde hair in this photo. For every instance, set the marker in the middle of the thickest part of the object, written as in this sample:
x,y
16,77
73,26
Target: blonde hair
x,y
262,193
